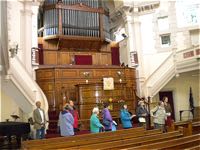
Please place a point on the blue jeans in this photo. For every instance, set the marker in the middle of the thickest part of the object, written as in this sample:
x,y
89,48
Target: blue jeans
x,y
40,133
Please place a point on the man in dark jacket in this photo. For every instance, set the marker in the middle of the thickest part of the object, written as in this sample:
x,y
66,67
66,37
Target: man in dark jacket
x,y
142,113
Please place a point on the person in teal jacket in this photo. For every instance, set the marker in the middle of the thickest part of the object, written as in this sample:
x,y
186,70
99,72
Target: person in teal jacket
x,y
125,117
95,124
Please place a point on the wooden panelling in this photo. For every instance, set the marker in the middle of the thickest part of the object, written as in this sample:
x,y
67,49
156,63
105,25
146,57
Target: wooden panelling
x,y
51,98
90,95
50,57
50,45
106,48
96,58
68,73
45,74
101,73
105,59
52,80
64,58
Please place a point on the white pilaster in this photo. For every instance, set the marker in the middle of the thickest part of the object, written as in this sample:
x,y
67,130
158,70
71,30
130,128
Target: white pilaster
x,y
35,25
28,36
138,49
129,31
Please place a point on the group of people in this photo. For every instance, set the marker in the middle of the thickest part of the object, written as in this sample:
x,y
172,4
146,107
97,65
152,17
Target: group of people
x,y
68,118
67,123
107,122
161,117
161,114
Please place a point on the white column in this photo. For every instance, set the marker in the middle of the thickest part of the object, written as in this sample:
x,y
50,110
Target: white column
x,y
30,32
35,25
27,36
138,49
128,20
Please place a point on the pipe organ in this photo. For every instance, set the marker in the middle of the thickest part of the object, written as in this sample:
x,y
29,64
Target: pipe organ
x,y
85,18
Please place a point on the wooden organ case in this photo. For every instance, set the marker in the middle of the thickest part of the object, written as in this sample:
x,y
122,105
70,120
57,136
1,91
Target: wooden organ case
x,y
72,33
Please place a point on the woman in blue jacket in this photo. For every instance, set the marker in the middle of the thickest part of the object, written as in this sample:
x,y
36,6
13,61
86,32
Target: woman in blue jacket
x,y
126,117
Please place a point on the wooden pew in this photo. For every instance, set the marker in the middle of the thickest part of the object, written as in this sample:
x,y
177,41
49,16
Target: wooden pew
x,y
82,136
131,142
196,127
179,143
194,148
186,124
101,140
77,137
85,140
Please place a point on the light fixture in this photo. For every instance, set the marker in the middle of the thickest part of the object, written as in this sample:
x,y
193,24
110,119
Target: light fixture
x,y
86,74
13,50
119,73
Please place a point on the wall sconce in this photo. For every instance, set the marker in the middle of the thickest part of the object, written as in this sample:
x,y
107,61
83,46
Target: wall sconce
x,y
119,73
86,81
63,93
86,74
13,51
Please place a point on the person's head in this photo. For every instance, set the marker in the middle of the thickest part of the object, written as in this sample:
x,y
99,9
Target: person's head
x,y
165,99
71,103
105,105
161,103
125,106
67,108
95,110
38,104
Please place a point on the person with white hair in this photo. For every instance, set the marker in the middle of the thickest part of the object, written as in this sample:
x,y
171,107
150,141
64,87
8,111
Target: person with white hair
x,y
95,124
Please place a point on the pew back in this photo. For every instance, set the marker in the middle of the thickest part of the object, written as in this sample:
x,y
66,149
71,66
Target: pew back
x,y
180,143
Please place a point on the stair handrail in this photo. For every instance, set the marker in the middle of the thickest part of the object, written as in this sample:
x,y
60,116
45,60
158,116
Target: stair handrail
x,y
14,74
159,67
30,84
186,49
172,57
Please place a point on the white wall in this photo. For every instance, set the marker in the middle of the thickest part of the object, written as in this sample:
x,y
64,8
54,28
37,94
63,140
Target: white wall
x,y
180,87
14,36
9,107
22,29
147,33
123,52
151,58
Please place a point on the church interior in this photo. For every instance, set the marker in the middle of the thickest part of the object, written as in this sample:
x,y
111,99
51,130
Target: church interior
x,y
97,52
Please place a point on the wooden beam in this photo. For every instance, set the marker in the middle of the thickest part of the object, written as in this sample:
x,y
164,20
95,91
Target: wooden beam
x,y
80,6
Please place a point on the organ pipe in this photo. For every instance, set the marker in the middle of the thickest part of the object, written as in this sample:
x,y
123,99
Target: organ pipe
x,y
74,22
